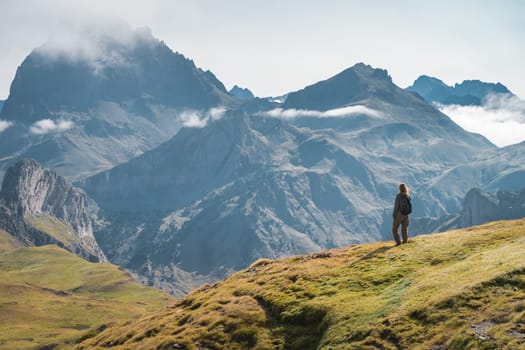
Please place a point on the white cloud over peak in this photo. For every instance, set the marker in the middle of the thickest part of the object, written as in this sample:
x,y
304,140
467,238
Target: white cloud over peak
x,y
4,125
46,126
332,113
216,113
100,45
501,118
194,119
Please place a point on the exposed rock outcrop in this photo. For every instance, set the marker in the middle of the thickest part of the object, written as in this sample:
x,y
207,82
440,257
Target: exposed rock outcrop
x,y
481,207
40,207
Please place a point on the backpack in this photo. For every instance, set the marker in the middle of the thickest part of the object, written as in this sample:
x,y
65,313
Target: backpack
x,y
404,205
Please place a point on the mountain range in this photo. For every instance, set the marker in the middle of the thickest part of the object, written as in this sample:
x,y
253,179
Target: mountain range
x,y
469,92
180,182
317,172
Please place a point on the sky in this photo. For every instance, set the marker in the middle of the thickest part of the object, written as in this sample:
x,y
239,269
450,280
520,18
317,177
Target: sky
x,y
274,47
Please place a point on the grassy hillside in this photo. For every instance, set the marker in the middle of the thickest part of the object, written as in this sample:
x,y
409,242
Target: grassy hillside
x,y
50,296
56,228
8,242
463,289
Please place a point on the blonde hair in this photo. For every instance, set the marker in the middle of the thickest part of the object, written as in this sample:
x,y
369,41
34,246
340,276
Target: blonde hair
x,y
404,189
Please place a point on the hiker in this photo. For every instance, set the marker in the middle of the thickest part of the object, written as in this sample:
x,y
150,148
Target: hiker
x,y
402,208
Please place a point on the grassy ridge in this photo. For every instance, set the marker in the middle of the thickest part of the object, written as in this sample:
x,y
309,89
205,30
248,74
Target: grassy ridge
x,y
458,290
51,296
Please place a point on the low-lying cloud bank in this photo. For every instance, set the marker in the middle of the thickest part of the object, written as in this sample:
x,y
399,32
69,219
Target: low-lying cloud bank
x,y
194,119
4,125
332,113
501,118
46,126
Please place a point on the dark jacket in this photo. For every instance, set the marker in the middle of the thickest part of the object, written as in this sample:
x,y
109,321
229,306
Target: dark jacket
x,y
397,204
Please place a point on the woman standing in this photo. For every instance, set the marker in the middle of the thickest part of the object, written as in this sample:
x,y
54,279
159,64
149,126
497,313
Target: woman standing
x,y
402,208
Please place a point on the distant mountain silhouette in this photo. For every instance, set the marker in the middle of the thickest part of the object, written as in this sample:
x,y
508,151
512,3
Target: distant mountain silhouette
x,y
242,94
469,92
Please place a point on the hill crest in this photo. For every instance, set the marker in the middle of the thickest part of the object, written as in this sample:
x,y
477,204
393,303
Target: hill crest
x,y
460,289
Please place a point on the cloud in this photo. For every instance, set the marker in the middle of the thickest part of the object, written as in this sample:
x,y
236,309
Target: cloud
x,y
4,125
100,45
501,118
332,113
46,126
194,119
216,113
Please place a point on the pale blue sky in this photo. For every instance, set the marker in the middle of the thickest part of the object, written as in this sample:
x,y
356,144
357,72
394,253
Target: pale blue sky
x,y
273,47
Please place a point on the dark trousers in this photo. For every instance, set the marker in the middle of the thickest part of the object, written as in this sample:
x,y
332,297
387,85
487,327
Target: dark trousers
x,y
402,220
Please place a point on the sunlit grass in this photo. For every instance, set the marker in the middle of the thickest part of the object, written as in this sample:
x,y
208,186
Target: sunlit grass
x,y
457,290
54,227
50,296
7,242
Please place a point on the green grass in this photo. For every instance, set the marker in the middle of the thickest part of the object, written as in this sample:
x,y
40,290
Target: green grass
x,y
463,289
50,296
8,242
54,227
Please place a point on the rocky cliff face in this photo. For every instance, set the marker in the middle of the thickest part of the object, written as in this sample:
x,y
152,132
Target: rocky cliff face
x,y
481,207
40,199
478,207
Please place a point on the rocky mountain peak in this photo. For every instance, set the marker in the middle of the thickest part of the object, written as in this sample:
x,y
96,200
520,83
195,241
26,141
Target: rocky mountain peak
x,y
367,72
356,84
479,88
469,92
430,86
242,94
132,68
